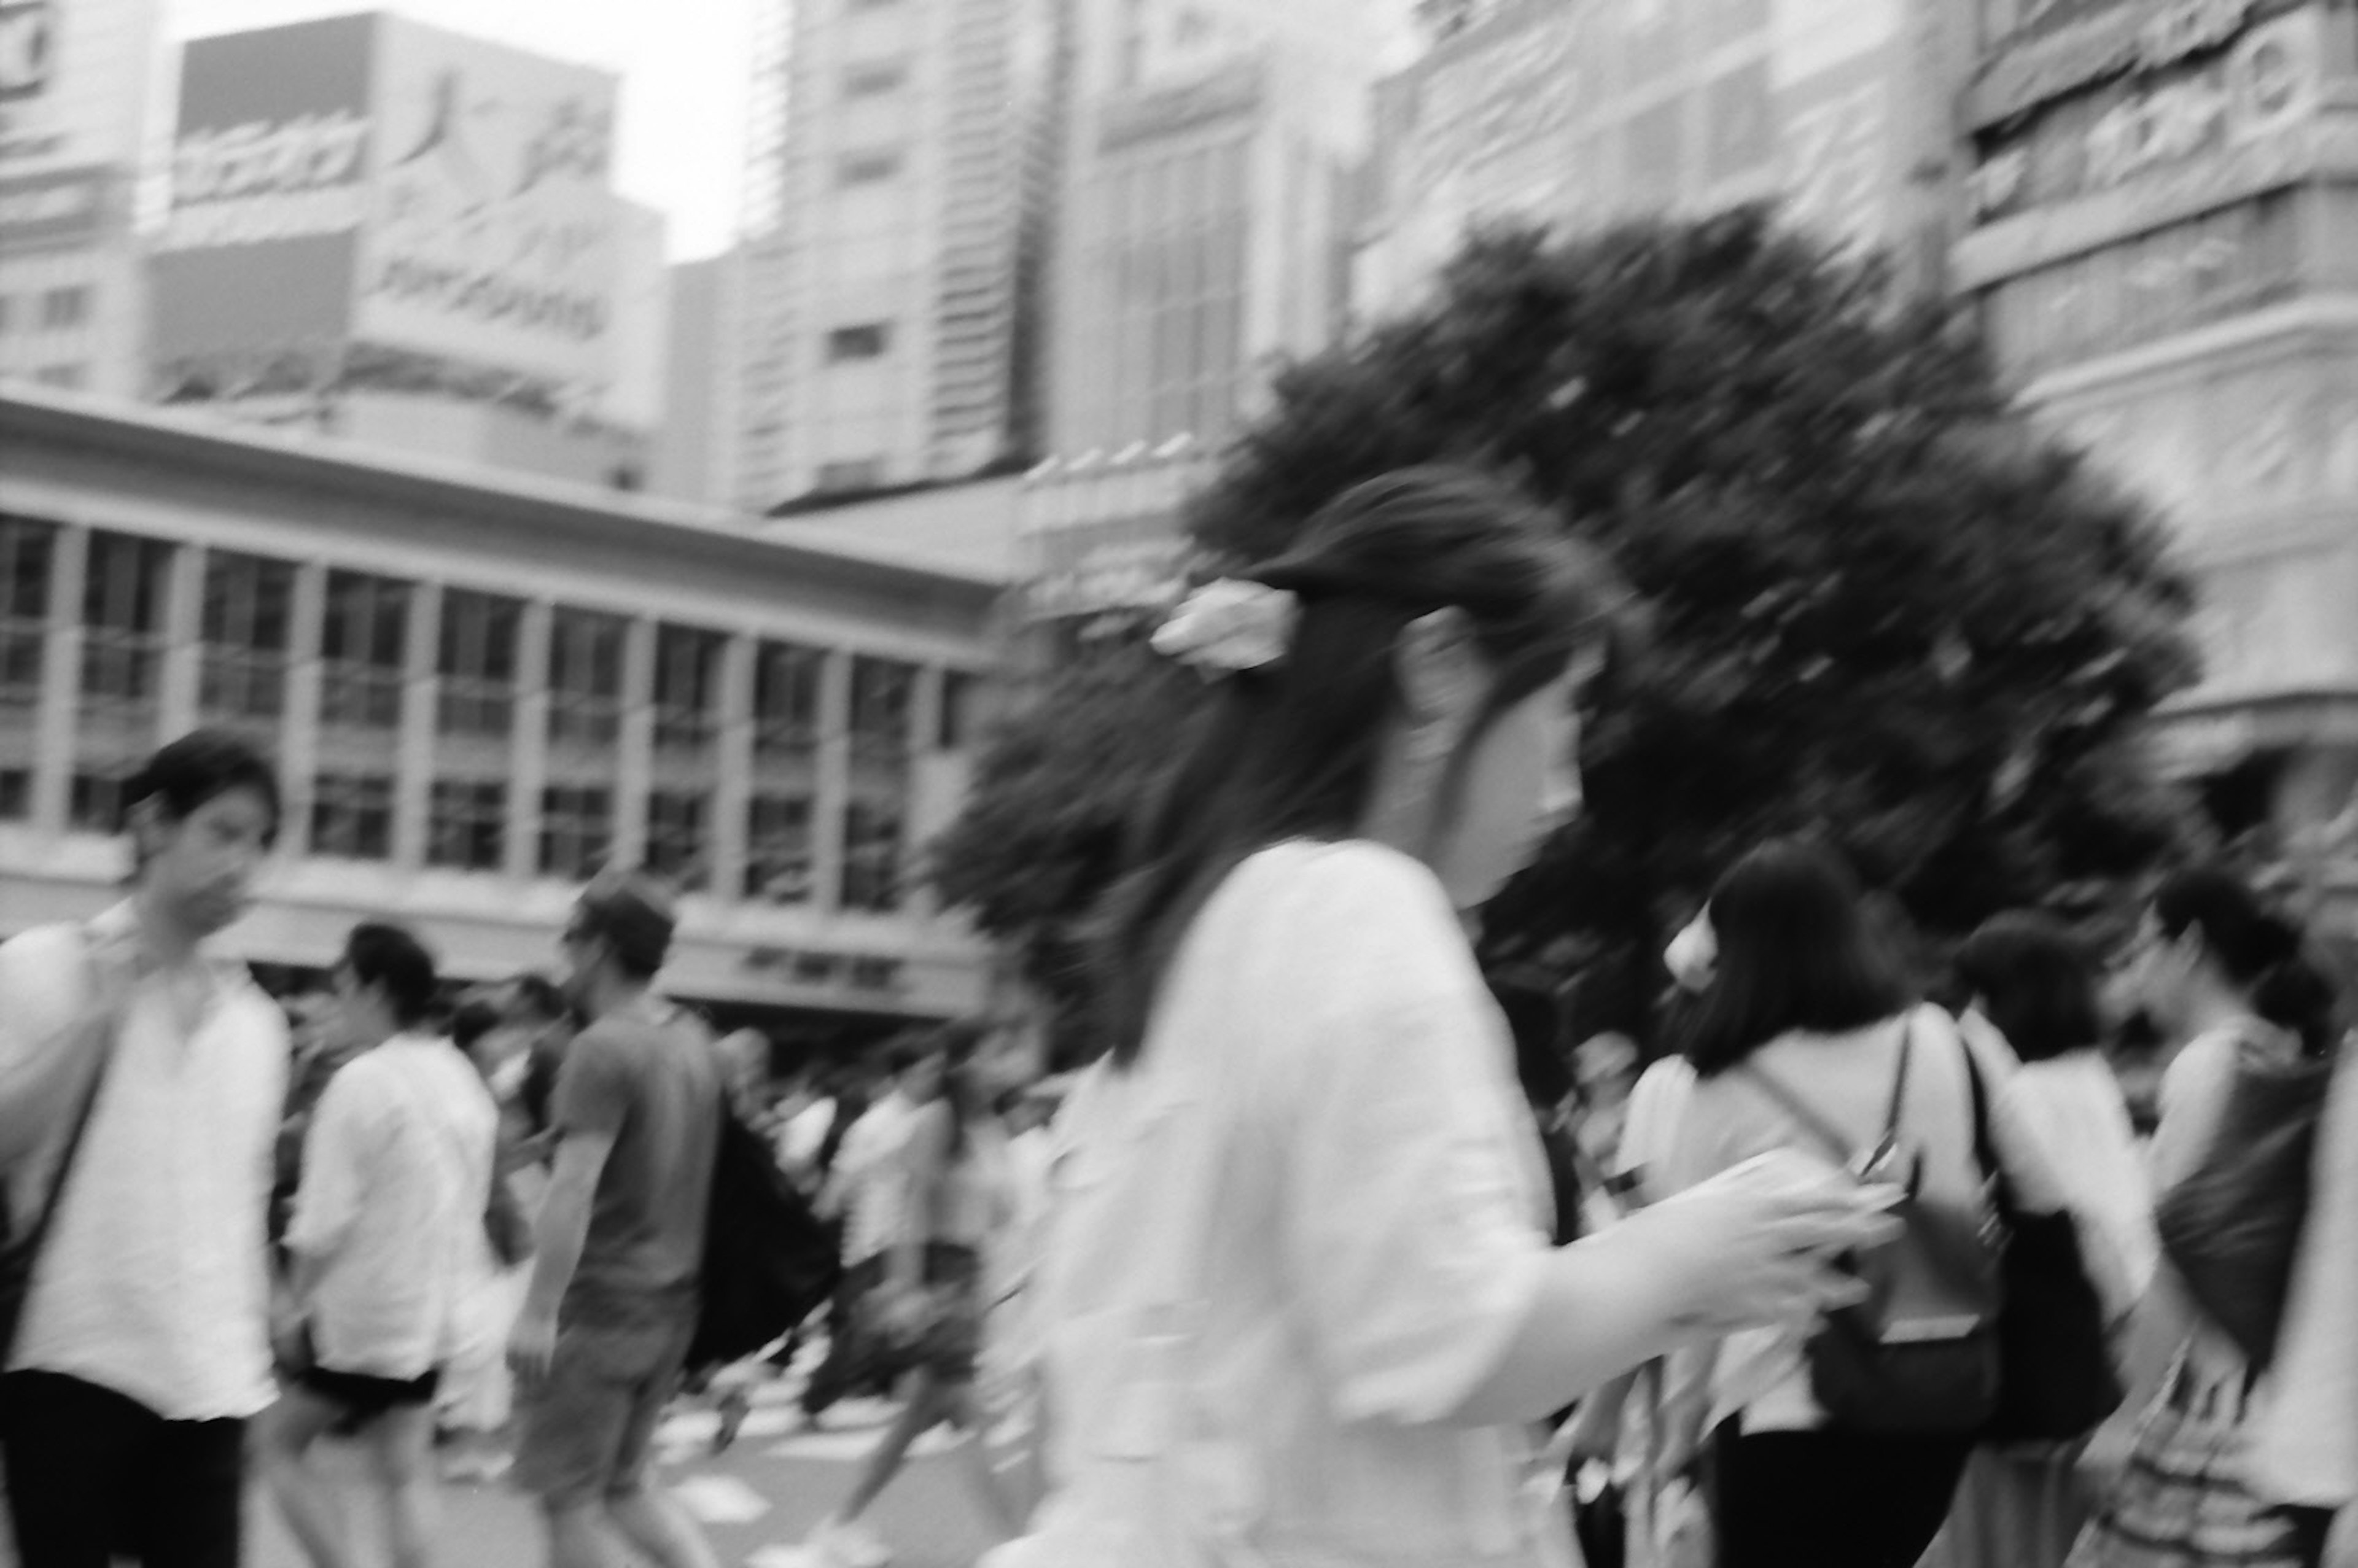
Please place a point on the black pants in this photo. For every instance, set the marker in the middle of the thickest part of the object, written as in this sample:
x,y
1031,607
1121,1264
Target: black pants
x,y
853,1361
1832,1499
91,1473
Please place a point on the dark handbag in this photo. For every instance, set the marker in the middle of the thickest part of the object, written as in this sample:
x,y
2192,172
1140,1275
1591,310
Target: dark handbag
x,y
1600,1522
1920,1355
19,1254
2056,1377
504,1225
2232,1226
769,1259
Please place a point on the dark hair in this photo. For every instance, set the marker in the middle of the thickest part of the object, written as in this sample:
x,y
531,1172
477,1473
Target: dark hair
x,y
201,766
632,914
390,957
1290,750
1795,952
2261,951
474,1019
2036,983
1535,1026
537,996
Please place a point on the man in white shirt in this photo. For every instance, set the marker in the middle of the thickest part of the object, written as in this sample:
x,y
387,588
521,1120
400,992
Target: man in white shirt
x,y
144,1347
396,1178
866,1186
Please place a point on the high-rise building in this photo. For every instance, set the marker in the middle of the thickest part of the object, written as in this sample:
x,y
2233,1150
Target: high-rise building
x,y
1577,114
389,231
898,204
2163,247
694,450
1204,225
75,82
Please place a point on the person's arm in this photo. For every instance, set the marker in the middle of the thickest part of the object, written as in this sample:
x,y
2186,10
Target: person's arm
x,y
592,1099
44,1051
333,1173
922,1159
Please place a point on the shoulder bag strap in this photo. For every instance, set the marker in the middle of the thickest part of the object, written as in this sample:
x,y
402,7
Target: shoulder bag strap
x,y
1817,1126
1891,1118
47,1211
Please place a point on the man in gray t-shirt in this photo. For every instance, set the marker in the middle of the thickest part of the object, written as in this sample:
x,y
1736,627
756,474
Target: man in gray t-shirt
x,y
598,1345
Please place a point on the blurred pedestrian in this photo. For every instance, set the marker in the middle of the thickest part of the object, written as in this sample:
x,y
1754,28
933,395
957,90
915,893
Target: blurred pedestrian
x,y
386,1249
599,1343
868,1186
143,1073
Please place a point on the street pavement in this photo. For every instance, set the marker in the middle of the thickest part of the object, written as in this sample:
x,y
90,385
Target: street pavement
x,y
756,1502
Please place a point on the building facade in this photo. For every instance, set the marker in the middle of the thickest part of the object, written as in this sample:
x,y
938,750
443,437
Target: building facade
x,y
1578,114
75,79
2164,251
398,235
695,450
1204,234
899,200
480,690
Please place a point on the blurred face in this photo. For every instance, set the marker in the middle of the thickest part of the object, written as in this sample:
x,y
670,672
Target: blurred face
x,y
201,868
2158,973
581,953
362,1016
1521,782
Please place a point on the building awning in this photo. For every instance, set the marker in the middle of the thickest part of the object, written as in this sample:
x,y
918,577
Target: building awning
x,y
2208,735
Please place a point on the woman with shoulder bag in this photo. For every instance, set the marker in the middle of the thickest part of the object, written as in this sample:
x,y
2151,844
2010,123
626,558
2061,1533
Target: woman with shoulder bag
x,y
2232,1161
1809,1038
2060,1133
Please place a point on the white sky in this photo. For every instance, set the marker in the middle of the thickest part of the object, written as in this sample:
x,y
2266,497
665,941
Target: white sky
x,y
681,145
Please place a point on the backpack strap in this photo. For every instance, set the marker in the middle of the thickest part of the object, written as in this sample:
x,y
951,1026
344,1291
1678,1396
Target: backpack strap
x,y
1817,1126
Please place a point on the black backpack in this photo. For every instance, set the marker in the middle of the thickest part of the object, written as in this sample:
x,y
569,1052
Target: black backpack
x,y
769,1259
1920,1355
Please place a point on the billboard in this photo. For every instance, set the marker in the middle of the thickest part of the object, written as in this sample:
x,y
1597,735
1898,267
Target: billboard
x,y
73,94
269,162
491,235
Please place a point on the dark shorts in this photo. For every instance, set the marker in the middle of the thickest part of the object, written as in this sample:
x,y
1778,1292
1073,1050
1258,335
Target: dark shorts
x,y
364,1396
588,1431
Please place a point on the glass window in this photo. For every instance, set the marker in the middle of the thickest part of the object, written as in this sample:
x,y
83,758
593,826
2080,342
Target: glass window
x,y
96,806
585,677
954,730
27,550
882,690
867,341
576,830
364,652
248,616
122,618
687,687
351,815
64,308
478,664
786,699
679,847
15,794
871,857
466,824
871,79
66,377
859,474
778,854
869,168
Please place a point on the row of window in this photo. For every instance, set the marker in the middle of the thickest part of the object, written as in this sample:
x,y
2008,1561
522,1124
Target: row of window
x,y
245,657
51,310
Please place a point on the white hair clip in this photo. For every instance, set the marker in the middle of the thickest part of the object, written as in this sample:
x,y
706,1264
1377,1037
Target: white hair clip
x,y
1231,625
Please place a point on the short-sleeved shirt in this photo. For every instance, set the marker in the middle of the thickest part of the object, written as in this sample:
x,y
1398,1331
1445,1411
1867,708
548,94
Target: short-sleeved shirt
x,y
1326,1100
396,1174
655,1087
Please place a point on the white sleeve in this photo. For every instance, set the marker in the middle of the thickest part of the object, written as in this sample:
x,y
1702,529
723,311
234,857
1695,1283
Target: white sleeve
x,y
1409,1208
337,1150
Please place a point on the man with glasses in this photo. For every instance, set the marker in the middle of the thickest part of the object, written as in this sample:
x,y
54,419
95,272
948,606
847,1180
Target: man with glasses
x,y
605,1331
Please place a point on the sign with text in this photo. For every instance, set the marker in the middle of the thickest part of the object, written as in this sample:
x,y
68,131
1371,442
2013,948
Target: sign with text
x,y
2043,49
2266,84
73,87
491,236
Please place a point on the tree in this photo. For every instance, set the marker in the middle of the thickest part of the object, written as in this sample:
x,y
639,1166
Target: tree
x,y
1882,609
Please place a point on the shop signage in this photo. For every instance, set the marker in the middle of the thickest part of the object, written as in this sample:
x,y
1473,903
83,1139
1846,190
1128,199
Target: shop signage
x,y
27,47
2041,58
874,973
261,182
2266,85
64,208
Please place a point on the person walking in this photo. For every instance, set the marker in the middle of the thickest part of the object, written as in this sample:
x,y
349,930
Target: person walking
x,y
1301,1304
2217,969
868,1186
1798,1037
385,1244
961,1205
604,1331
144,1347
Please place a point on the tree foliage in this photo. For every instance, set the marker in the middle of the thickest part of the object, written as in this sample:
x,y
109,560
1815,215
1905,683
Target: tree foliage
x,y
1882,610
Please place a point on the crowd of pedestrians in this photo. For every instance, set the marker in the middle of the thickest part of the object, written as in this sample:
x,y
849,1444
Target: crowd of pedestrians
x,y
1838,1254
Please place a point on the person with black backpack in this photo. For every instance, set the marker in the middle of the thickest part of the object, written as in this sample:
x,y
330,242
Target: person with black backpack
x,y
1837,1446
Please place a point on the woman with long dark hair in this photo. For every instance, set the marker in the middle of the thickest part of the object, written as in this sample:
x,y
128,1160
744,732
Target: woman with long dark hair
x,y
1301,1302
1798,1042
